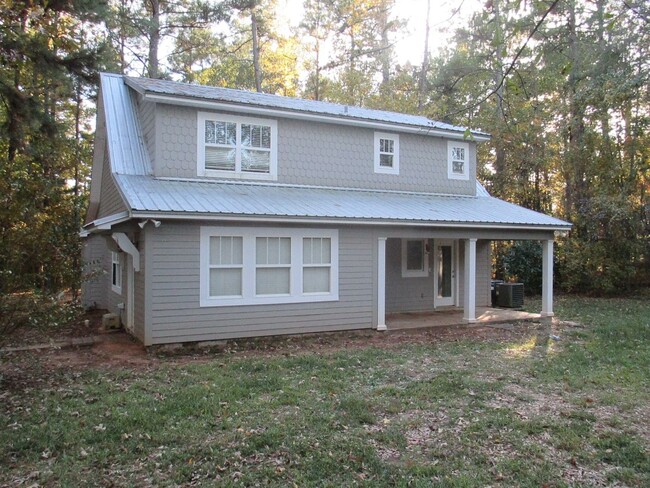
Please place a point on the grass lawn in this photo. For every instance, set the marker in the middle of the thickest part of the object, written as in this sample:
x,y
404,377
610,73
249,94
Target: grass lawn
x,y
509,409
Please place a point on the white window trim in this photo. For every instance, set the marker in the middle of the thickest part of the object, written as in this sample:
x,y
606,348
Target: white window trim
x,y
450,170
116,272
237,174
411,273
394,170
249,234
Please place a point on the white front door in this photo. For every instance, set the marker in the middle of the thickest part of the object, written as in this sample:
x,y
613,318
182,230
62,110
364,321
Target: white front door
x,y
444,275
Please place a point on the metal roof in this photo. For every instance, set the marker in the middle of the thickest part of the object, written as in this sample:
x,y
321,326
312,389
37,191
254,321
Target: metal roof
x,y
216,199
265,100
124,135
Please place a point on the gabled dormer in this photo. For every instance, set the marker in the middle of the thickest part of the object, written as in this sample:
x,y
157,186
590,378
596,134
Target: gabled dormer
x,y
217,133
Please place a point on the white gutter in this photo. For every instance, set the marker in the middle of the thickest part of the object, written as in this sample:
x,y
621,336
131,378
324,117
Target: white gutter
x,y
329,119
315,220
105,223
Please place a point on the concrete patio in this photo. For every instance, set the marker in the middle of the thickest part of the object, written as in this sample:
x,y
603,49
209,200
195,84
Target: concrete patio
x,y
454,316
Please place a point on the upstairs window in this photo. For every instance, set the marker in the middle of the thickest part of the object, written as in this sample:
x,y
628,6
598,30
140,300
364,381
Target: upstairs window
x,y
386,153
458,160
237,147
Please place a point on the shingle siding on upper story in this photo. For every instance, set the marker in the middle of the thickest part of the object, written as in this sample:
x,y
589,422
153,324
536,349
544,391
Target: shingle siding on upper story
x,y
316,153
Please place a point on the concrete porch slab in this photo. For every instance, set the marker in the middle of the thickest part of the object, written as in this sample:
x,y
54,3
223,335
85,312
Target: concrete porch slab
x,y
453,316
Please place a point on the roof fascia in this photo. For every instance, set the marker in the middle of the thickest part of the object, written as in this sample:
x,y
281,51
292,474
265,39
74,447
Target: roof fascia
x,y
330,119
304,220
105,223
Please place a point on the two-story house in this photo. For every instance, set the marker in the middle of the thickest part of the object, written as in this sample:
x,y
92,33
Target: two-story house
x,y
220,213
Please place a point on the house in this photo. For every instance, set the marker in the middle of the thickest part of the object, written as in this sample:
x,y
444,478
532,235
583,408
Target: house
x,y
218,213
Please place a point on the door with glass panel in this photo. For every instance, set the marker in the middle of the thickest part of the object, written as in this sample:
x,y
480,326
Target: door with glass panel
x,y
445,273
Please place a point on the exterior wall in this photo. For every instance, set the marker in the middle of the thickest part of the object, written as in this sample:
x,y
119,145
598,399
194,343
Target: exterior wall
x,y
110,201
406,294
315,153
147,114
93,288
139,290
173,289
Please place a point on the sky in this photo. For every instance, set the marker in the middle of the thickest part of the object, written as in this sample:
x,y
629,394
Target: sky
x,y
446,16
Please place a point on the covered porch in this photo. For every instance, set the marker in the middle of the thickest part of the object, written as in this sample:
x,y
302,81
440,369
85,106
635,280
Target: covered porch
x,y
454,316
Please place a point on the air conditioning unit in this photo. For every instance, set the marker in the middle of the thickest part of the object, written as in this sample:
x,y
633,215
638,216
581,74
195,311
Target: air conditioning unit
x,y
510,295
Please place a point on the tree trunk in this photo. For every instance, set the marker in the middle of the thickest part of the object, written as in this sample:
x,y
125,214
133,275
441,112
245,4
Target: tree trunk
x,y
499,116
256,52
422,89
154,39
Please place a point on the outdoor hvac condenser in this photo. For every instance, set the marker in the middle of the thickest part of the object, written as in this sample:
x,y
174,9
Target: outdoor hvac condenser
x,y
510,295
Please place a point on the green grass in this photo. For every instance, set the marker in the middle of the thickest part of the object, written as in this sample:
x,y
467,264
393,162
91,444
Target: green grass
x,y
524,411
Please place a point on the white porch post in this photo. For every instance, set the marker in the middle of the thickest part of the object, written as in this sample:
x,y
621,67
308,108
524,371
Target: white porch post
x,y
469,300
547,278
381,283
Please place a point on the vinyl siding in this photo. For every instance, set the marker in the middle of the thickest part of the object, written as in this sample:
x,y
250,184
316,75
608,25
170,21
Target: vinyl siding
x,y
315,153
406,294
483,273
139,291
93,288
110,201
147,114
173,265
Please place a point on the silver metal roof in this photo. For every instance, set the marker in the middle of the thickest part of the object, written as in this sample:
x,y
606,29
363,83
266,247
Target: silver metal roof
x,y
163,87
124,135
221,198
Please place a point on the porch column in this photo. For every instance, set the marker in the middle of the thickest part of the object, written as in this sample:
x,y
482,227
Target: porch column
x,y
381,283
547,278
469,300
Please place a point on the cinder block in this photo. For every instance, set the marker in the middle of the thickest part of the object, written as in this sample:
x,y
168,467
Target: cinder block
x,y
110,321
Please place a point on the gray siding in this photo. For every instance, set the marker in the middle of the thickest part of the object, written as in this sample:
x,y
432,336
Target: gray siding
x,y
93,288
314,153
406,294
139,290
110,199
147,114
173,265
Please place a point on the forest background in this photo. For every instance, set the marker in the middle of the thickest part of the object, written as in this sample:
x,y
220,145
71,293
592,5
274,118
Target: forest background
x,y
562,86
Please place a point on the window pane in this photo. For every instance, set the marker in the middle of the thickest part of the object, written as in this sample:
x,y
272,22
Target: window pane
x,y
386,145
316,280
386,160
225,282
306,250
261,250
225,250
220,158
414,256
444,272
458,167
458,153
272,281
220,132
256,136
255,161
285,250
326,252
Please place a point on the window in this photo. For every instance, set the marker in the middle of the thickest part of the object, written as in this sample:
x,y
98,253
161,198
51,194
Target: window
x,y
458,160
316,264
237,147
415,258
386,153
248,266
116,272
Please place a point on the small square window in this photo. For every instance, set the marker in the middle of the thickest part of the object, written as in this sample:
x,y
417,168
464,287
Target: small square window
x,y
415,258
458,160
386,153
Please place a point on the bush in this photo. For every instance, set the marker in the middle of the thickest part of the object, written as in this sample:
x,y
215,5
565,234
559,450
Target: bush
x,y
32,310
522,262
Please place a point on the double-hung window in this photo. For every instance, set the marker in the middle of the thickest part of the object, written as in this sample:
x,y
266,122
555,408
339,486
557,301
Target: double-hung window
x,y
250,265
458,160
386,153
116,272
236,147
